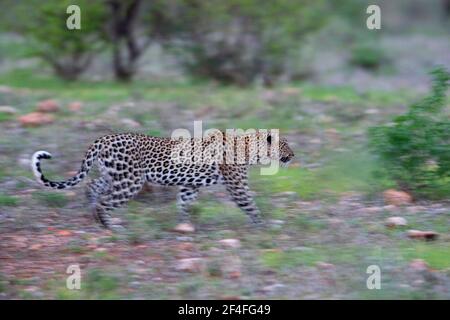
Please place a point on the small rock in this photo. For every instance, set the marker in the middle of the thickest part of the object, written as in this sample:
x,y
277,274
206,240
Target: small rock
x,y
275,221
191,265
324,265
335,221
234,274
231,243
8,110
423,235
419,265
70,194
396,198
75,106
273,288
25,162
115,221
19,239
370,210
291,91
418,283
183,238
34,119
372,111
6,89
185,246
415,209
284,237
130,123
64,233
184,228
323,118
393,222
315,141
36,246
34,291
287,194
270,96
48,106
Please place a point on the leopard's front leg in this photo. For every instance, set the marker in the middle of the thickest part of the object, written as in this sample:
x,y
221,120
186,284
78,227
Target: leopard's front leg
x,y
235,178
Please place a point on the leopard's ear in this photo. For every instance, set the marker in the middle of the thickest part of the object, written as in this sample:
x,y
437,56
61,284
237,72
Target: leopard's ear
x,y
269,139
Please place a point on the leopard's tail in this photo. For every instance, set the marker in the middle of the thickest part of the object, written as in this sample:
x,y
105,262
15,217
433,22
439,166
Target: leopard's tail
x,y
89,159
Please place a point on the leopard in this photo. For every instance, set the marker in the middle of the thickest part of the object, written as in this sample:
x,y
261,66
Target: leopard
x,y
127,161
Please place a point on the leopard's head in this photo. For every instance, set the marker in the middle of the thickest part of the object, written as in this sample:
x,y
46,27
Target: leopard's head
x,y
285,153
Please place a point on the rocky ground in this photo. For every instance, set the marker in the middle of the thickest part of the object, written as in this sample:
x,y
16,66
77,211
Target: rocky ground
x,y
329,218
330,215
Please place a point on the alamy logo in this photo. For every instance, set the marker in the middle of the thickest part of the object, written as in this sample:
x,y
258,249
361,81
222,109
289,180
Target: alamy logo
x,y
73,282
73,22
374,280
232,146
373,22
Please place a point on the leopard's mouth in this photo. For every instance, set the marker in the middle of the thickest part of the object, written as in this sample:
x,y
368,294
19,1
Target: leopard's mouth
x,y
285,161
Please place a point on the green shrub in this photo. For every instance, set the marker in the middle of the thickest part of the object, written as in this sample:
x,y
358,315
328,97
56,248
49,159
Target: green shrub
x,y
415,147
69,52
239,41
367,56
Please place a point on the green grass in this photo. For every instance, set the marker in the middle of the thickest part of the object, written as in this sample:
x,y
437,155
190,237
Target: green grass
x,y
352,170
51,199
190,287
101,285
3,284
307,223
299,180
437,255
343,172
189,93
96,284
6,200
291,258
14,47
5,116
215,212
350,95
342,255
297,245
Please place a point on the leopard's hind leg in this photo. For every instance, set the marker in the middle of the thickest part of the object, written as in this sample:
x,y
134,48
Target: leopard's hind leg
x,y
119,182
95,190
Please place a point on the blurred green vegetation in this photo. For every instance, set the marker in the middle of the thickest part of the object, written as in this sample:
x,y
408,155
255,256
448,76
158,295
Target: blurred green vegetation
x,y
51,199
414,147
326,207
6,200
368,56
